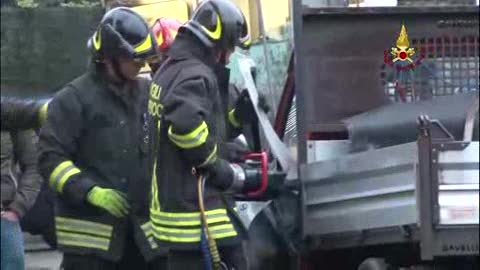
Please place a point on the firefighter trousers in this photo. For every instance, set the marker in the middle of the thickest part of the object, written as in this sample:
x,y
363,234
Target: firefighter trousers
x,y
132,259
232,256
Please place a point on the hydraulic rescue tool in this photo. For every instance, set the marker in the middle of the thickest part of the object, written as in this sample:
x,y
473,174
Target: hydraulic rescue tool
x,y
252,181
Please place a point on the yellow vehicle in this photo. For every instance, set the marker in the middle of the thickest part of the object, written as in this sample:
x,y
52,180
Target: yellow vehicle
x,y
153,9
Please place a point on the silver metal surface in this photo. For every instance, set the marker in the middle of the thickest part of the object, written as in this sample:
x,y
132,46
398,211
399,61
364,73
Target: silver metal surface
x,y
459,187
469,154
454,242
459,167
374,189
458,176
470,121
247,211
277,147
458,206
325,150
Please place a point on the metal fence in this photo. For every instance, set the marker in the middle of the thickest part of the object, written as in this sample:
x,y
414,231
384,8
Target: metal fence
x,y
450,66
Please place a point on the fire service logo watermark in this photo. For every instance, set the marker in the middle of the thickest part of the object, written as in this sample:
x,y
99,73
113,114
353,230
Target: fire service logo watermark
x,y
403,57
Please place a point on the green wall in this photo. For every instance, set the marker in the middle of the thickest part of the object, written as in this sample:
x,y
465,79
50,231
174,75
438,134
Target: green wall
x,y
43,48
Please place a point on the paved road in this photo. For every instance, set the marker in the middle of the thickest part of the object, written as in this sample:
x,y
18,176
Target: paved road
x,y
43,260
38,256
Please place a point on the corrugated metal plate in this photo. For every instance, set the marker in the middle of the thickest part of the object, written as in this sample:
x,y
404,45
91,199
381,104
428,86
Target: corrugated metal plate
x,y
368,190
458,175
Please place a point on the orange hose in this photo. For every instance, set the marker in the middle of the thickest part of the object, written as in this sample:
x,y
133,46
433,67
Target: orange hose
x,y
211,241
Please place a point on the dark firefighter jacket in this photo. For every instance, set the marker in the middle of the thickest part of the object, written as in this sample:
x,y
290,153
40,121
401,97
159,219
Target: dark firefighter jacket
x,y
19,114
96,134
188,105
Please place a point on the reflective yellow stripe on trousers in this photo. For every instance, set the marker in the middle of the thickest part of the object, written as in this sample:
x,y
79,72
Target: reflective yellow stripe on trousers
x,y
188,219
148,231
192,235
82,240
83,233
173,227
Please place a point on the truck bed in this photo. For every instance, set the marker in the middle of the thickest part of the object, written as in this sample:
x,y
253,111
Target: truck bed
x,y
377,196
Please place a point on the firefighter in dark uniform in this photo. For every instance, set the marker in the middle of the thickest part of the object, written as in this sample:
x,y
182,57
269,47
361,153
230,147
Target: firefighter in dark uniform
x,y
188,105
94,150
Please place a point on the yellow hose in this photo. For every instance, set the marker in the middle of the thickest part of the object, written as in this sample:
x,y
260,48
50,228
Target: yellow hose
x,y
211,241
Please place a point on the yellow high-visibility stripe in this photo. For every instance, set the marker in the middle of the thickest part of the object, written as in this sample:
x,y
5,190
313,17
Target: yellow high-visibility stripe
x,y
211,157
152,242
83,226
61,174
188,219
192,139
217,33
58,170
189,223
192,214
155,203
147,228
189,136
82,240
65,177
97,40
192,235
233,120
246,40
42,115
148,231
66,242
145,45
191,231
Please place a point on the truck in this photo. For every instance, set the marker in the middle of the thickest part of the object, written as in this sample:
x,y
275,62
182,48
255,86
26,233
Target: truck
x,y
385,171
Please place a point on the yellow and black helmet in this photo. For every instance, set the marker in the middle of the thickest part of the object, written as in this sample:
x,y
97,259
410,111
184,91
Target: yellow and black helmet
x,y
122,33
220,24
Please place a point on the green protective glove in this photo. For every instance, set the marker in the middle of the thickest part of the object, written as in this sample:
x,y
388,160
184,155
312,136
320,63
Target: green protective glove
x,y
112,201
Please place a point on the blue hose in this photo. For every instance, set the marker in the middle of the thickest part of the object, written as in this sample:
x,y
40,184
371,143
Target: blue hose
x,y
207,257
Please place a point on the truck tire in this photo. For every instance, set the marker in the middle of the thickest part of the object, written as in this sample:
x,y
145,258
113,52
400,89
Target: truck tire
x,y
374,264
